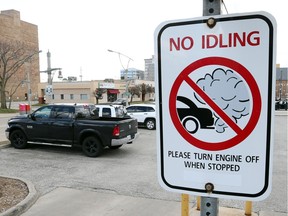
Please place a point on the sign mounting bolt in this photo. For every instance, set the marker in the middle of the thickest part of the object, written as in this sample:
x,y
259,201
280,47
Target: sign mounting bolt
x,y
211,22
209,187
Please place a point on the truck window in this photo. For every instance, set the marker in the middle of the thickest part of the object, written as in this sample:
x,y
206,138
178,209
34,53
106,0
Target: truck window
x,y
83,112
43,113
106,112
62,112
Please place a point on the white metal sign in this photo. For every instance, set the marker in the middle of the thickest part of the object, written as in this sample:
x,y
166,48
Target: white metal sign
x,y
215,84
49,90
106,85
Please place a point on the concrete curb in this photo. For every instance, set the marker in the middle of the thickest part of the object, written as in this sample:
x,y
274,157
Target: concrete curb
x,y
25,204
4,144
224,211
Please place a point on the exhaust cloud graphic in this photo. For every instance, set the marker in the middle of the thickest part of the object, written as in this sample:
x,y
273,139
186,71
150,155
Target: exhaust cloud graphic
x,y
229,92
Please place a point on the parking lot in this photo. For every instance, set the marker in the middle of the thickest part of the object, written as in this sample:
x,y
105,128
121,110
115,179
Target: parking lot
x,y
130,170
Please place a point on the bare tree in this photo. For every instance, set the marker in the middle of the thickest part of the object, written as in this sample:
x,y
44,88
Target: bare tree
x,y
13,88
13,55
98,93
146,89
134,90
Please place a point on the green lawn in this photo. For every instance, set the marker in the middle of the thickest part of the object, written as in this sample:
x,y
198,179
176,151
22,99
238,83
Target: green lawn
x,y
9,110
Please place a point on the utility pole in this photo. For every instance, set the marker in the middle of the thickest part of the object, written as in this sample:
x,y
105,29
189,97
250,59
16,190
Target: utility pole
x,y
28,63
210,205
49,69
49,72
280,86
28,68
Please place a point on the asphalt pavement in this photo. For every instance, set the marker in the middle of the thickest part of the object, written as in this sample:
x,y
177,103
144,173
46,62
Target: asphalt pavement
x,y
75,202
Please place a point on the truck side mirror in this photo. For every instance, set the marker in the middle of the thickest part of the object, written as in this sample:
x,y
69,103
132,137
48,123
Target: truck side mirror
x,y
31,116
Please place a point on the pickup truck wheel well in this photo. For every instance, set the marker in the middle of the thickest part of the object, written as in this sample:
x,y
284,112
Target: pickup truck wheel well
x,y
87,134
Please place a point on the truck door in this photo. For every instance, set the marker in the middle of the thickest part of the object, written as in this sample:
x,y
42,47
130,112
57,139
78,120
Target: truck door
x,y
39,124
62,124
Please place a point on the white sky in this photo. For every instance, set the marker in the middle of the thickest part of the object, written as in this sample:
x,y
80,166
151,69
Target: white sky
x,y
79,32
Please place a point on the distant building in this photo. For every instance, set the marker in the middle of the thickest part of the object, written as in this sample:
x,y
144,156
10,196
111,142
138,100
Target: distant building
x,y
281,83
72,78
84,91
149,69
12,28
132,73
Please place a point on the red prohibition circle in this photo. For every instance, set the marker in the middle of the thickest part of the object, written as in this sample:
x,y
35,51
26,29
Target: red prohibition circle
x,y
240,135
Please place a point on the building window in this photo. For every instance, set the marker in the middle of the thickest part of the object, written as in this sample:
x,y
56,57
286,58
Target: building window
x,y
62,96
53,96
71,96
83,97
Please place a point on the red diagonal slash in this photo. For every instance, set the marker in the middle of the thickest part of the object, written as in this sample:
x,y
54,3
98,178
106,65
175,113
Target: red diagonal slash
x,y
213,105
241,133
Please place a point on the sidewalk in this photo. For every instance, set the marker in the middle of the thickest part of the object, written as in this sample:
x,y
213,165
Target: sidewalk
x,y
73,202
3,125
66,201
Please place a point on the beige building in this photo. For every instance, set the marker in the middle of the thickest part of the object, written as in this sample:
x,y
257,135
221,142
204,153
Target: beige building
x,y
13,29
84,91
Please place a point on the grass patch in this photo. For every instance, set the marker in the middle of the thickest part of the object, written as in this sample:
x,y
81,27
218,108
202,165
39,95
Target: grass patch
x,y
9,110
142,102
38,105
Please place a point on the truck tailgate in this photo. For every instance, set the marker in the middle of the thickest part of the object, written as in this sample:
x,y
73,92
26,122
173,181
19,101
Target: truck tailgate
x,y
128,127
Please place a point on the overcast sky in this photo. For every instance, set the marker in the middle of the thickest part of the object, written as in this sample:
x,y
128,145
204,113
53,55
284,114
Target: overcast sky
x,y
79,32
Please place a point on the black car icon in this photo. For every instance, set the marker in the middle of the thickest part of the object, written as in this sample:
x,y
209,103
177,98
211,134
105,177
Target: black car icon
x,y
194,117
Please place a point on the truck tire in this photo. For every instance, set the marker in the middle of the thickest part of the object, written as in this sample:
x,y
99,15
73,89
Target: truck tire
x,y
150,124
18,139
91,146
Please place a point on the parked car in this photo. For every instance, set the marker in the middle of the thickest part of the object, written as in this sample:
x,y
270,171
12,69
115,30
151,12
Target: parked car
x,y
144,113
71,125
193,117
121,101
281,104
105,110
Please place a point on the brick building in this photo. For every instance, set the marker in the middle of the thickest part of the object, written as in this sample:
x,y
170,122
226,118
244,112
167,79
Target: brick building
x,y
13,29
281,83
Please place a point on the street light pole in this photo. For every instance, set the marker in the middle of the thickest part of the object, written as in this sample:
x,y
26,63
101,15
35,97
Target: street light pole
x,y
125,69
121,54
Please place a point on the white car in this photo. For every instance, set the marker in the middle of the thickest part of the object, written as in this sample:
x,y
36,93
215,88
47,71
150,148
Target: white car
x,y
144,113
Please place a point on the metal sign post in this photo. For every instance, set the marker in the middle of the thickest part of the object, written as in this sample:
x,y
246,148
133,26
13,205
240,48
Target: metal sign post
x,y
209,205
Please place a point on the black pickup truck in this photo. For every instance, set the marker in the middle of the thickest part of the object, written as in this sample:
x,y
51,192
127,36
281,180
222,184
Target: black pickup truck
x,y
71,125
